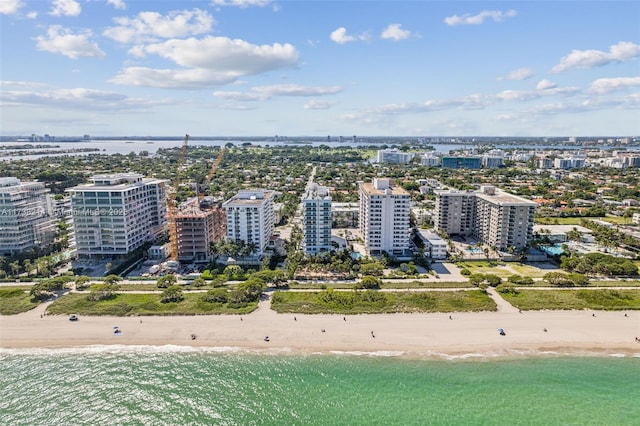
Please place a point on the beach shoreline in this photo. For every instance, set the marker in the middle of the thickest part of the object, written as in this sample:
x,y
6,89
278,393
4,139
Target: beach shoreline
x,y
418,335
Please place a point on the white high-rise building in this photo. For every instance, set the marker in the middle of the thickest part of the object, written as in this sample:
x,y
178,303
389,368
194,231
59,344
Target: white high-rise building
x,y
316,220
27,218
250,218
118,213
394,156
384,217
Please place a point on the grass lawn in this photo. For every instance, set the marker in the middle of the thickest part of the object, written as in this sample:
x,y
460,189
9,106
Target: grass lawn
x,y
124,304
15,301
527,270
577,220
375,302
574,299
390,284
483,267
394,284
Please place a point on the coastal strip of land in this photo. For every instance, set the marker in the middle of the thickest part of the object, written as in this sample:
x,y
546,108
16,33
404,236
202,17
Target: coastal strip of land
x,y
410,335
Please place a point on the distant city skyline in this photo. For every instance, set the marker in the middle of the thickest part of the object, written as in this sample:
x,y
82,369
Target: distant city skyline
x,y
294,68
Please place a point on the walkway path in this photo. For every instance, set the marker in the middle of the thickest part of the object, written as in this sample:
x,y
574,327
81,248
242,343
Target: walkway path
x,y
503,305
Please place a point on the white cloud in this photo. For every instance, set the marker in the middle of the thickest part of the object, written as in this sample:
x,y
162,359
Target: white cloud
x,y
173,79
606,85
225,54
241,3
340,36
209,62
63,41
118,4
65,8
32,15
545,85
468,19
9,7
29,94
267,92
318,104
519,74
621,52
151,26
395,32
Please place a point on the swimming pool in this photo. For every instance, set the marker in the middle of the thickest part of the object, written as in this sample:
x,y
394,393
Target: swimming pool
x,y
474,250
554,250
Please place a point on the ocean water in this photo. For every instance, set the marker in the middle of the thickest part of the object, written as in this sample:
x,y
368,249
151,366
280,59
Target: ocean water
x,y
183,386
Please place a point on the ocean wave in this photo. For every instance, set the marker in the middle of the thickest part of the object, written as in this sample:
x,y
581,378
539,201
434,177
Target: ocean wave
x,y
373,353
447,356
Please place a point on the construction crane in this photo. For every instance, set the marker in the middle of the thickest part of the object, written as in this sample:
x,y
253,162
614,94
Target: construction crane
x,y
214,167
173,208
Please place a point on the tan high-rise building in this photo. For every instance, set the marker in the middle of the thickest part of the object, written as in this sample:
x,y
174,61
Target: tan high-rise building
x,y
384,217
496,218
198,224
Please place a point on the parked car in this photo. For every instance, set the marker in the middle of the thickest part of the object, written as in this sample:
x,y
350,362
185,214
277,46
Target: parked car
x,y
73,317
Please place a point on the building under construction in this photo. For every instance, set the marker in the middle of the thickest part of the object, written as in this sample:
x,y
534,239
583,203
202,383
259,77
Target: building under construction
x,y
199,222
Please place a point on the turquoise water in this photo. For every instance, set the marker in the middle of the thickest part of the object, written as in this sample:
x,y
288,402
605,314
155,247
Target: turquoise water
x,y
474,250
160,386
553,250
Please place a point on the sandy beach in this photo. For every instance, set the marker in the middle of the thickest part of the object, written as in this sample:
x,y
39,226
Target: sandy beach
x,y
410,335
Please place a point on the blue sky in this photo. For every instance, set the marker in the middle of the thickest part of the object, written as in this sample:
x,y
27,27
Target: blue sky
x,y
293,68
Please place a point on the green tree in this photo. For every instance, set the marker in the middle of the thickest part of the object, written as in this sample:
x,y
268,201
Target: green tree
x,y
199,282
172,294
112,279
167,281
369,282
82,282
218,295
102,292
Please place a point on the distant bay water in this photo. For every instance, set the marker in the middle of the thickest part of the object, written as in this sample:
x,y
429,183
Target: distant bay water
x,y
121,146
180,386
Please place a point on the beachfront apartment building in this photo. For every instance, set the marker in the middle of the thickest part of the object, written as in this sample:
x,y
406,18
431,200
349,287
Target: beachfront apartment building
x,y
454,212
384,217
117,213
250,218
316,220
198,224
493,217
27,218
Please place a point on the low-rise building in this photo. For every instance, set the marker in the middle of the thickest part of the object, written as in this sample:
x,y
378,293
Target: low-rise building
x,y
435,246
